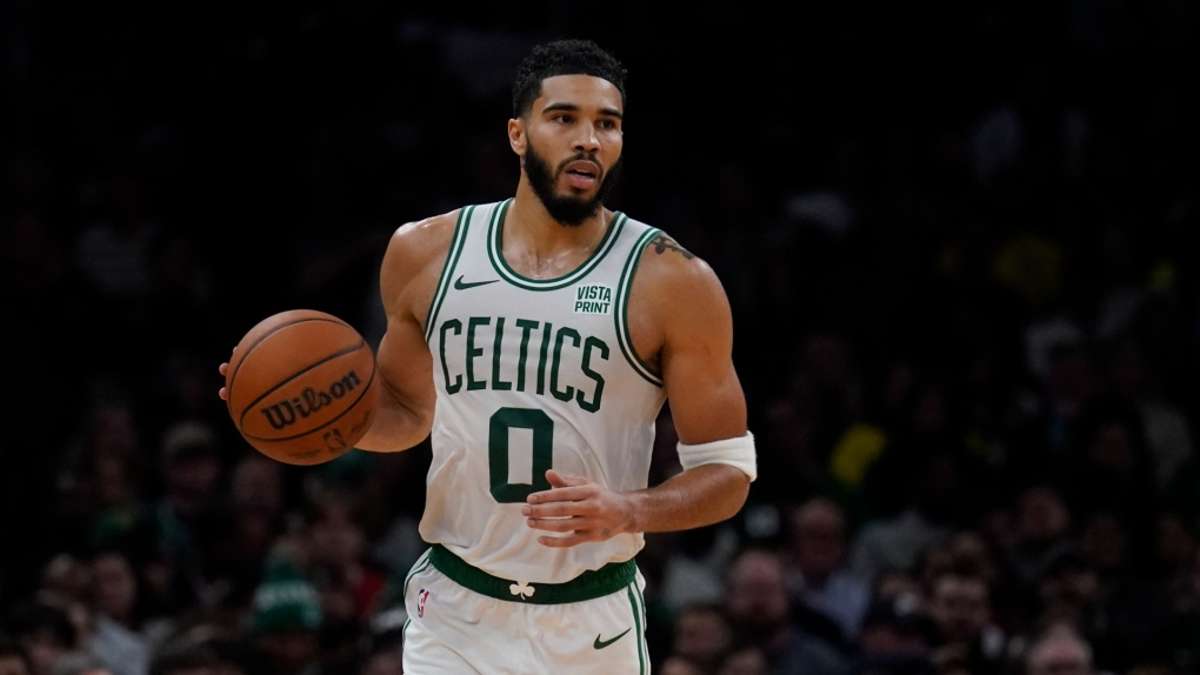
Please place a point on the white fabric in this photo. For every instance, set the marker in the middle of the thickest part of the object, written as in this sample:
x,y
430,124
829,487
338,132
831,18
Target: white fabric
x,y
550,341
737,452
453,630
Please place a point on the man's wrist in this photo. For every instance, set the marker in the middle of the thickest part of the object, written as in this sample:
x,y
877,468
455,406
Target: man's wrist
x,y
632,506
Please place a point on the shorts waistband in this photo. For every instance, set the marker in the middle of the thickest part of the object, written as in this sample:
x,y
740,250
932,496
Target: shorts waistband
x,y
587,586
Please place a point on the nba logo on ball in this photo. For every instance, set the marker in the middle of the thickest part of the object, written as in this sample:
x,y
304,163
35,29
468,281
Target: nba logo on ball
x,y
422,596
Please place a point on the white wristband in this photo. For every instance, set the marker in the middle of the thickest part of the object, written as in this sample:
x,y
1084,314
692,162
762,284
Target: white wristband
x,y
737,452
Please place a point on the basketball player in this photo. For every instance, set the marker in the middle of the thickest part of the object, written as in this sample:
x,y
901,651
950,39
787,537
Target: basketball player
x,y
537,338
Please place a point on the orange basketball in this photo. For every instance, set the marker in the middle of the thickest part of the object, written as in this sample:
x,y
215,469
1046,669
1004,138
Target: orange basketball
x,y
301,387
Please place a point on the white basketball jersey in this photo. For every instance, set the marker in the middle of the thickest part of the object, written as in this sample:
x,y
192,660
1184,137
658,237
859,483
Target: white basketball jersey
x,y
532,375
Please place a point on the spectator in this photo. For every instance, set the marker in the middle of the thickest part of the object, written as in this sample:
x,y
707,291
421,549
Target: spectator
x,y
895,639
114,637
45,632
1059,652
961,609
287,619
256,519
760,609
893,543
1042,526
187,521
702,636
747,661
816,557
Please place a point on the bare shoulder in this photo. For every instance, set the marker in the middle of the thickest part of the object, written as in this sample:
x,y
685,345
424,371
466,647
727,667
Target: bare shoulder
x,y
676,281
675,300
422,240
415,253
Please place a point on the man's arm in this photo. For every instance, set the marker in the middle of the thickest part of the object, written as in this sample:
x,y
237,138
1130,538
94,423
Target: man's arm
x,y
410,270
411,267
707,404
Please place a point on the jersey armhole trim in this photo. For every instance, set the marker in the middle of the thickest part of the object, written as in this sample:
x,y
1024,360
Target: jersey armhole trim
x,y
456,247
621,313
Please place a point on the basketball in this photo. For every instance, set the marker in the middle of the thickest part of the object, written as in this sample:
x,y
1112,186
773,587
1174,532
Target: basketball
x,y
301,387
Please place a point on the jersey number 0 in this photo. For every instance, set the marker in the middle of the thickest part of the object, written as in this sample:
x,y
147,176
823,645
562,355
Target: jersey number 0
x,y
543,438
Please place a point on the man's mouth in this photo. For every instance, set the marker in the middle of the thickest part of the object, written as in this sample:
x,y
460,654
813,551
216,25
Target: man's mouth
x,y
582,174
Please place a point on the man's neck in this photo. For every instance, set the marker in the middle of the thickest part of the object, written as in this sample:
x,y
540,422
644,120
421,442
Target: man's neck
x,y
531,227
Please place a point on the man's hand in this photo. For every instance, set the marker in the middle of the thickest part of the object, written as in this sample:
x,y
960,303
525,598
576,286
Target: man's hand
x,y
590,512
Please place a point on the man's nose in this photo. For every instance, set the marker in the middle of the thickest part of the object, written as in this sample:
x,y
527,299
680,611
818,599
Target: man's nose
x,y
587,141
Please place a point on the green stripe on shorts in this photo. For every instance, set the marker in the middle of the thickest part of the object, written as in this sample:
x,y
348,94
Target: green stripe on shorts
x,y
637,626
420,566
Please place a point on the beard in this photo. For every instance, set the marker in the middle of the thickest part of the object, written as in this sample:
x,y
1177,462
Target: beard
x,y
569,210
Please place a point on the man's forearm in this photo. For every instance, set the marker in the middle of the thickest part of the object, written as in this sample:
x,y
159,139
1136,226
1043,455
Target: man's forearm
x,y
396,426
700,496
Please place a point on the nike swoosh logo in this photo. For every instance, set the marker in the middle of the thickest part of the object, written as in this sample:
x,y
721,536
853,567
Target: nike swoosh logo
x,y
601,644
461,285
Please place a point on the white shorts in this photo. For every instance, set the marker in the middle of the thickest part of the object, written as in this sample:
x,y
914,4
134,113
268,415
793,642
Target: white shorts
x,y
454,629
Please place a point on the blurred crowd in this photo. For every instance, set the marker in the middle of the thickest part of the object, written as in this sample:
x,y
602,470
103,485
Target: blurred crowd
x,y
965,303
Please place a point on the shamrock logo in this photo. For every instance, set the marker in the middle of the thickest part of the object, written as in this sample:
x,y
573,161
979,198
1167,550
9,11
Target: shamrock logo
x,y
522,589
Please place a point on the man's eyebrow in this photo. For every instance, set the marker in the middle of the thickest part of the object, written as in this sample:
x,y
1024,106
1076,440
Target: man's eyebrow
x,y
571,107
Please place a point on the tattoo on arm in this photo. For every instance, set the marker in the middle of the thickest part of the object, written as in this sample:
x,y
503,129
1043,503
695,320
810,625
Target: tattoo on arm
x,y
662,242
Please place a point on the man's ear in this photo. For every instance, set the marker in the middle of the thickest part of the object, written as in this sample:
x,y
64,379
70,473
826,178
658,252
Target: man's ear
x,y
516,136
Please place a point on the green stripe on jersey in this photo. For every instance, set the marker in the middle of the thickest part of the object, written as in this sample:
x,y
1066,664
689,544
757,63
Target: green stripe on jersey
x,y
495,247
456,247
621,311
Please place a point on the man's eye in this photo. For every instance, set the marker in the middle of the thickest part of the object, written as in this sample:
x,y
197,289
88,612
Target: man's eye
x,y
563,119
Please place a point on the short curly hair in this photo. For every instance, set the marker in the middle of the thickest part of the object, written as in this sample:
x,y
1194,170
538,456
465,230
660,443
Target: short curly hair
x,y
563,57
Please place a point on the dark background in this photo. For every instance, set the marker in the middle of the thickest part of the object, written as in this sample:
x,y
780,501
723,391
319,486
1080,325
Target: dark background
x,y
956,242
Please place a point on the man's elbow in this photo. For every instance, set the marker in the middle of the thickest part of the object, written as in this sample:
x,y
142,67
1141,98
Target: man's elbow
x,y
397,427
736,492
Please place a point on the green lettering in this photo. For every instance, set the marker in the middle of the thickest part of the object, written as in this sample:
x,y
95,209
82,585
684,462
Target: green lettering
x,y
497,383
456,325
525,325
598,344
568,393
547,328
472,351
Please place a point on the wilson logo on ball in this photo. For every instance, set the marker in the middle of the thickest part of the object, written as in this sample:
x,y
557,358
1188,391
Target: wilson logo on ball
x,y
283,413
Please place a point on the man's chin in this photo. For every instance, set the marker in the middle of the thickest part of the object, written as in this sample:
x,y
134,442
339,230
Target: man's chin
x,y
568,191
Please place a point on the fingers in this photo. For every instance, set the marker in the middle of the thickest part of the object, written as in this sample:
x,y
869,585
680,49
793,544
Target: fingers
x,y
567,494
564,542
563,480
561,524
558,509
222,369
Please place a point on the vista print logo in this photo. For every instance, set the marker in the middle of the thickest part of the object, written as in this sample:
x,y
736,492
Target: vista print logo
x,y
283,413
